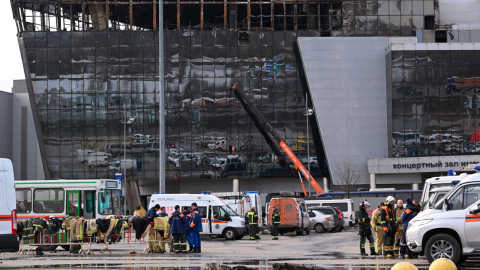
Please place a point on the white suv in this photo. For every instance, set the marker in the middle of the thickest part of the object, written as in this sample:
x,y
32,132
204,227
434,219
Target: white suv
x,y
450,229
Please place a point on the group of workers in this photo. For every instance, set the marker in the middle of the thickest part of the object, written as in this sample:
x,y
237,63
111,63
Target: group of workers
x,y
390,224
251,222
184,226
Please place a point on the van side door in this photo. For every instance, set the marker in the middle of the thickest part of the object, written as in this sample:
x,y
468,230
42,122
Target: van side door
x,y
206,222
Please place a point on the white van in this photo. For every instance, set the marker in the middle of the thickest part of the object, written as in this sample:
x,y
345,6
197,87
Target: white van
x,y
8,210
228,224
345,205
441,181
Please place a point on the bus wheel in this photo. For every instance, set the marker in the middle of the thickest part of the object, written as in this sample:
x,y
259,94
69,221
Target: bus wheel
x,y
307,231
230,234
66,247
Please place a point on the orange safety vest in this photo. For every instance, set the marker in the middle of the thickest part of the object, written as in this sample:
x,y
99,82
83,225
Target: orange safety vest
x,y
387,211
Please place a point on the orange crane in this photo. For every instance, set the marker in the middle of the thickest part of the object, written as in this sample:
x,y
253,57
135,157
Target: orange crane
x,y
264,128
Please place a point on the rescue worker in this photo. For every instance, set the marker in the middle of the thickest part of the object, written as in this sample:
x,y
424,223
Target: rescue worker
x,y
410,212
375,222
398,234
253,224
187,214
177,229
365,230
152,213
389,225
163,212
197,228
276,220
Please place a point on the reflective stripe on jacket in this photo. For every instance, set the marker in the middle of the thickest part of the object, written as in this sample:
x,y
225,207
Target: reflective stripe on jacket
x,y
252,217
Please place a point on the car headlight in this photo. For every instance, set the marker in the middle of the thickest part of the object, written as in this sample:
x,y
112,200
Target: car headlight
x,y
419,222
242,222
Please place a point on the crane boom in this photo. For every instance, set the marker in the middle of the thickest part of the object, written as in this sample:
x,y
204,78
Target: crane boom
x,y
257,117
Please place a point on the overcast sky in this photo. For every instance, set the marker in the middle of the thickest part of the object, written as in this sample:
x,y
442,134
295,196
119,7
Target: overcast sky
x,y
11,64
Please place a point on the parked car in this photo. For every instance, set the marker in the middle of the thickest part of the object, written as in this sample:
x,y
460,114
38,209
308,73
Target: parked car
x,y
345,206
320,222
337,216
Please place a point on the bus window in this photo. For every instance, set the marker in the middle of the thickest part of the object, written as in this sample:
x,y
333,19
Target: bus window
x,y
89,203
73,199
109,202
24,200
48,201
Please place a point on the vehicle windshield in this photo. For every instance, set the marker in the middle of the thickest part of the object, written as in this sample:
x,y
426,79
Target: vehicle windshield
x,y
109,202
229,210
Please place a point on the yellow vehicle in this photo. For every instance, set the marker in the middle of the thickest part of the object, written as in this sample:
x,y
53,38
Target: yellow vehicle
x,y
301,144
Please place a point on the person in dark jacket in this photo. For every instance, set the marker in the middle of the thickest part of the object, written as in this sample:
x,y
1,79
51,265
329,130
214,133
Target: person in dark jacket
x,y
365,230
152,213
187,214
197,228
163,212
411,211
252,219
177,229
276,220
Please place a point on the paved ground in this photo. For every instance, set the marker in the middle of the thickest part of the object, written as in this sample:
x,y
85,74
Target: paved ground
x,y
329,250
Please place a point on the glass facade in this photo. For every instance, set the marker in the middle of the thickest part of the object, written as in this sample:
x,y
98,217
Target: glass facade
x,y
93,65
85,83
433,102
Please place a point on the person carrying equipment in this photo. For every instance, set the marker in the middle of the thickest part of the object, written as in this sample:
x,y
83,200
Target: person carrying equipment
x,y
365,230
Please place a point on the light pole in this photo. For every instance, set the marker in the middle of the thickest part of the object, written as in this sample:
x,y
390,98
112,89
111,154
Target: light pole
x,y
161,107
125,123
308,112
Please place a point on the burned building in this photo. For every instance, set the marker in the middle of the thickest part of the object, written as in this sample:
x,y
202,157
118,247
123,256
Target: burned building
x,y
91,64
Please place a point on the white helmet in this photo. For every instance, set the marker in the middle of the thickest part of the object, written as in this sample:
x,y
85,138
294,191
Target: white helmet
x,y
390,198
365,204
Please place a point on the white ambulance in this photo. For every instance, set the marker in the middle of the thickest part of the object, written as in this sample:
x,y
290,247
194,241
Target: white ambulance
x,y
217,217
8,210
449,229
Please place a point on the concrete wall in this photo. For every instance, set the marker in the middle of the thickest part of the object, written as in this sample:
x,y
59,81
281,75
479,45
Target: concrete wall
x,y
347,82
458,11
26,158
6,125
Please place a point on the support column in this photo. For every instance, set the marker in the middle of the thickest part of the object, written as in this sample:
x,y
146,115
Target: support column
x,y
373,184
325,185
415,187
